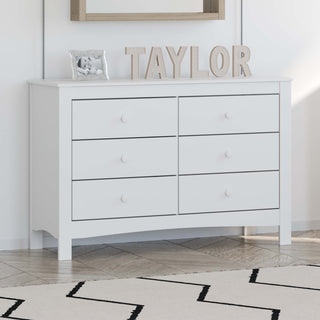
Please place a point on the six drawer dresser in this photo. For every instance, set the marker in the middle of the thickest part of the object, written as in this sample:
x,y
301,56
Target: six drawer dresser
x,y
130,156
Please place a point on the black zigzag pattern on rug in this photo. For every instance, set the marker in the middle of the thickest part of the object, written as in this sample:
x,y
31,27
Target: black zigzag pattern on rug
x,y
205,289
255,273
134,314
14,307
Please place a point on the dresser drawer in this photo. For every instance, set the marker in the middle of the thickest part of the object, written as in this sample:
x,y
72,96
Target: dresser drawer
x,y
103,199
229,192
229,114
94,119
229,153
99,159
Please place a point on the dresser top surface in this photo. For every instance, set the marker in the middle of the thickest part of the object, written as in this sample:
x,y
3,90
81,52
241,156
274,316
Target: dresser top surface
x,y
68,83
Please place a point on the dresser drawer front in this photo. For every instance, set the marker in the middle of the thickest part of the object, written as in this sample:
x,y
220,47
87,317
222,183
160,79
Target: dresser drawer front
x,y
229,192
95,119
229,114
99,159
104,199
229,153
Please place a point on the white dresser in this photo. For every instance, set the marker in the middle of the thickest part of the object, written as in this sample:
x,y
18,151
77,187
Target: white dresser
x,y
124,156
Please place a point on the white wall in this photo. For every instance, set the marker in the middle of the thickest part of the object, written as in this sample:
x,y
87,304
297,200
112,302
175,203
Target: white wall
x,y
282,36
20,36
63,35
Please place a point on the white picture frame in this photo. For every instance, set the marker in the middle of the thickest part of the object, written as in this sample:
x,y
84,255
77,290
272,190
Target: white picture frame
x,y
89,65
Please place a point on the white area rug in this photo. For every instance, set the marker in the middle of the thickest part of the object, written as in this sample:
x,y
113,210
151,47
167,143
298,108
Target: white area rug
x,y
261,294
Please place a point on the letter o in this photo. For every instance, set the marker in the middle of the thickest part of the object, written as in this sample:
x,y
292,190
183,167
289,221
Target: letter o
x,y
223,70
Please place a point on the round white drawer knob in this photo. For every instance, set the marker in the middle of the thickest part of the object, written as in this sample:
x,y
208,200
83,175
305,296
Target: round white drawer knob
x,y
124,199
228,193
124,159
228,154
228,115
124,119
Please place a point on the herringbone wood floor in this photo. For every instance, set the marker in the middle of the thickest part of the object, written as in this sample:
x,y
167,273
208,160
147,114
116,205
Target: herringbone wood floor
x,y
157,258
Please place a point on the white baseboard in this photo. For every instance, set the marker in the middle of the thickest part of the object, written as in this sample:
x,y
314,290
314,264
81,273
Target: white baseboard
x,y
49,241
13,244
306,225
296,226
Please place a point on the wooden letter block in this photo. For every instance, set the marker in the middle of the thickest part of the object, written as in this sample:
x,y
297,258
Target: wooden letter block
x,y
176,59
135,53
194,60
156,64
225,63
241,56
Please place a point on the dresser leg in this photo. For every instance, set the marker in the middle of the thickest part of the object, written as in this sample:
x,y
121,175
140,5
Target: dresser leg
x,y
285,234
65,249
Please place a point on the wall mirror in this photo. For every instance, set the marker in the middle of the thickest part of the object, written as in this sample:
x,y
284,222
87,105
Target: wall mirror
x,y
103,10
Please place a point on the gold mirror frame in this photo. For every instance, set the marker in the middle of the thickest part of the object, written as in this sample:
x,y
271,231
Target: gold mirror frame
x,y
213,10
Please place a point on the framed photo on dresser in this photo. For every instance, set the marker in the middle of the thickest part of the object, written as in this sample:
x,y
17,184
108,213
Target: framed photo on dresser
x,y
89,65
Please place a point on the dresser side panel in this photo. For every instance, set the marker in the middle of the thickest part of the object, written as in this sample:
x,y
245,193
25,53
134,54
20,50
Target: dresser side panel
x,y
44,159
285,164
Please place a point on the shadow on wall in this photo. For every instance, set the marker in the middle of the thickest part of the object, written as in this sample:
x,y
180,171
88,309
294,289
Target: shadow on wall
x,y
306,157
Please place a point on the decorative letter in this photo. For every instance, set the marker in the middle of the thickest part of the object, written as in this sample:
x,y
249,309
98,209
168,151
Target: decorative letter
x,y
195,72
177,60
223,70
241,55
156,64
135,60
